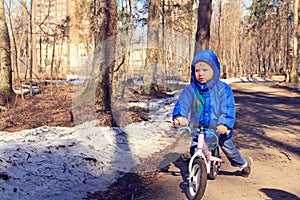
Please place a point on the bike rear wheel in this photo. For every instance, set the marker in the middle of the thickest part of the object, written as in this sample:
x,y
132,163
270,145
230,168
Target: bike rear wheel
x,y
197,180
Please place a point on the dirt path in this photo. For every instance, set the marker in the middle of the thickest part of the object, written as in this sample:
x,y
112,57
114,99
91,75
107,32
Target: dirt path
x,y
268,130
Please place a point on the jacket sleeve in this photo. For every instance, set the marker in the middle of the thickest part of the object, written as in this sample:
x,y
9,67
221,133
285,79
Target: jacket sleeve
x,y
183,105
227,108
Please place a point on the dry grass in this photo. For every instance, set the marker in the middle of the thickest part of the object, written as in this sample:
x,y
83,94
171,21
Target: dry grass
x,y
45,109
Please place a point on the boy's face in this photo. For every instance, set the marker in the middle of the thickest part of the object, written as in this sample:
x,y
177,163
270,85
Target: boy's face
x,y
203,72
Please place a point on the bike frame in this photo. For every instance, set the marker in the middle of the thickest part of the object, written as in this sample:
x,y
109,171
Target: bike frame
x,y
201,151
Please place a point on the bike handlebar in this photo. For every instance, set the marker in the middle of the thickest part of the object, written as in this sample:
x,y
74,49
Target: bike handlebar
x,y
213,138
199,129
185,128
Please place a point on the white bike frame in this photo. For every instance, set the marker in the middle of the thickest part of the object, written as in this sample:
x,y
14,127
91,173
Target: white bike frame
x,y
201,152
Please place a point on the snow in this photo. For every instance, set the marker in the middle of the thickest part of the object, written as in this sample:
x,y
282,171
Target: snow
x,y
26,89
244,79
66,163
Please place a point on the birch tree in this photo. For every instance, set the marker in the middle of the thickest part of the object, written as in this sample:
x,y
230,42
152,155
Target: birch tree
x,y
5,59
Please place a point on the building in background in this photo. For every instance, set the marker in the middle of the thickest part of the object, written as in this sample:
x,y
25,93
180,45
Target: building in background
x,y
63,36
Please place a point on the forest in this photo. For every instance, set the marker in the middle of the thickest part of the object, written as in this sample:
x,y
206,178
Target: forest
x,y
110,43
87,90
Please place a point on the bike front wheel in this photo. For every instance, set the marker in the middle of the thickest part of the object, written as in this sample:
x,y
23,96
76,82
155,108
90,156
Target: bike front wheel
x,y
214,165
197,180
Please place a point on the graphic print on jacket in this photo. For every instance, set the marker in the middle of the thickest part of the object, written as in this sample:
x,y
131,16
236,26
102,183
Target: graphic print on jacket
x,y
199,102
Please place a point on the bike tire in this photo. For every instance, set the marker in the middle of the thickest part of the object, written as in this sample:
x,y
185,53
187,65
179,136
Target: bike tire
x,y
197,180
214,166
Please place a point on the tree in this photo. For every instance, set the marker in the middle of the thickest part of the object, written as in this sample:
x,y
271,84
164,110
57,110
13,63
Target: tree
x,y
33,44
180,17
5,59
295,63
203,27
218,26
16,40
264,21
105,44
152,40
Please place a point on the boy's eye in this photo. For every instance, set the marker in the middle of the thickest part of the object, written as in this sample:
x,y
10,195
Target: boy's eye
x,y
204,70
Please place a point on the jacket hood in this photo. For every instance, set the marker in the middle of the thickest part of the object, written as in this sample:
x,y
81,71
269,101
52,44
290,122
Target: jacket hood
x,y
210,58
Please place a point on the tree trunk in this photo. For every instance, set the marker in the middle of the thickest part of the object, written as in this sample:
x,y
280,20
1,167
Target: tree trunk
x,y
105,42
288,42
33,45
5,59
240,42
69,44
152,40
219,17
52,64
295,63
16,47
203,27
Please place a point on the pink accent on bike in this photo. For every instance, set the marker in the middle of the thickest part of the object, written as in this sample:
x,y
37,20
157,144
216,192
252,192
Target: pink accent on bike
x,y
208,155
213,158
201,142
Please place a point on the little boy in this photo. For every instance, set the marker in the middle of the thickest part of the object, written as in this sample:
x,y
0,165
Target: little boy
x,y
209,102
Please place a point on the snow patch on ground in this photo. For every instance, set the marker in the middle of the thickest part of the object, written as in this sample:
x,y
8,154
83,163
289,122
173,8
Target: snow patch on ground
x,y
66,163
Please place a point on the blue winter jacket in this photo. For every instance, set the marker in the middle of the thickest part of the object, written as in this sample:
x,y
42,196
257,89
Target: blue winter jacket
x,y
216,97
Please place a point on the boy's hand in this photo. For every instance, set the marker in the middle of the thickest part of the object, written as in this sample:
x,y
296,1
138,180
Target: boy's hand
x,y
221,129
181,121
